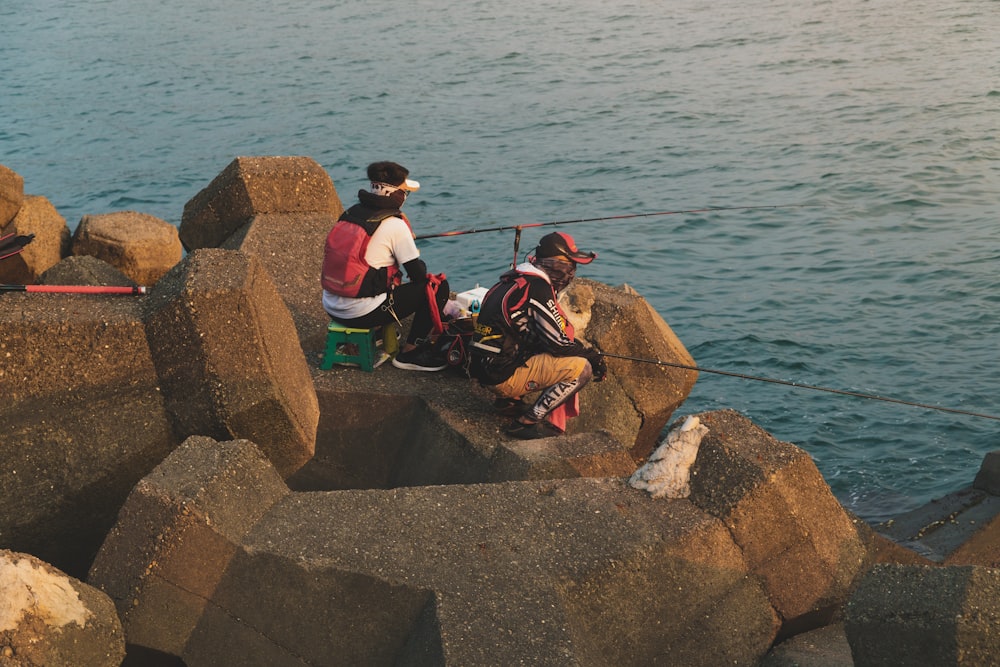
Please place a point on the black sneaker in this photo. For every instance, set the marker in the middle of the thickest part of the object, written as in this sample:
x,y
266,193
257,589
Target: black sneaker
x,y
422,358
510,407
542,429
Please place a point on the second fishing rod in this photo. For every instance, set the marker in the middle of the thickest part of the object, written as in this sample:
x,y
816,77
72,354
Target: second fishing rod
x,y
627,216
743,376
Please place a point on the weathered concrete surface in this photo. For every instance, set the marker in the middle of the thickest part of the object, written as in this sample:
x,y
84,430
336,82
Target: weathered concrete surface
x,y
51,243
910,615
782,514
85,270
636,400
228,359
881,549
290,246
962,528
988,477
82,421
141,246
177,534
252,186
825,647
98,389
594,454
11,194
433,428
580,571
387,429
49,618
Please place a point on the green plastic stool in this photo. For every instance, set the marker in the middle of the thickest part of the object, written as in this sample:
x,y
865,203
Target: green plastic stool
x,y
338,337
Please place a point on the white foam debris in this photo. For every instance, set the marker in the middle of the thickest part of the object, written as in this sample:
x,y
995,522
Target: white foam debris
x,y
667,473
29,588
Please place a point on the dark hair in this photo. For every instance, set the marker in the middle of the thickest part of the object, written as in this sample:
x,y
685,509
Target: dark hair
x,y
387,172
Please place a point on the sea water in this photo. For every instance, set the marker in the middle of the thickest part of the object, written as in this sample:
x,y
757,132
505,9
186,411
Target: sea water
x,y
870,127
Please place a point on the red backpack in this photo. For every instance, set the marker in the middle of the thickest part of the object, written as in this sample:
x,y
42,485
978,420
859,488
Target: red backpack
x,y
346,272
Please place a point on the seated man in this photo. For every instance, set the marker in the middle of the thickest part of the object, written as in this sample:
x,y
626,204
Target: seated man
x,y
523,341
365,254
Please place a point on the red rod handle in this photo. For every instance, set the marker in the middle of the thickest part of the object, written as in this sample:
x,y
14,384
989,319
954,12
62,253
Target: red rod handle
x,y
75,289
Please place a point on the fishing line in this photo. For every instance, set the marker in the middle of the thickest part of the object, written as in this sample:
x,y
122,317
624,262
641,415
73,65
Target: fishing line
x,y
742,376
518,228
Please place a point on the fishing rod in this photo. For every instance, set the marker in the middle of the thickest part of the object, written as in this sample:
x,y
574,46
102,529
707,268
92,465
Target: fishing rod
x,y
517,228
74,289
503,228
788,383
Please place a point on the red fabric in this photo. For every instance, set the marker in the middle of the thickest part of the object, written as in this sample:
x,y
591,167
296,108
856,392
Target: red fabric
x,y
433,282
571,408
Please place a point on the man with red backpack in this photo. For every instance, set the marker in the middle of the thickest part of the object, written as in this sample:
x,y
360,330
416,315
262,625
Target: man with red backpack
x,y
365,255
523,341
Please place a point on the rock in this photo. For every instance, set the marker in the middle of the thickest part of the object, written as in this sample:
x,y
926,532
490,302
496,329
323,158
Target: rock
x,y
99,389
290,246
636,400
962,528
436,430
49,618
175,537
228,358
792,531
141,246
905,615
988,477
85,270
51,243
825,647
881,549
252,186
577,571
11,194
82,420
594,454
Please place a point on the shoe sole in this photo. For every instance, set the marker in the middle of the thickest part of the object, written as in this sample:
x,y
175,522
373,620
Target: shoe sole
x,y
415,367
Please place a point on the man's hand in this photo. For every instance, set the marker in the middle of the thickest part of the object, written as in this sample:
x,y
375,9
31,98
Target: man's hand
x,y
597,365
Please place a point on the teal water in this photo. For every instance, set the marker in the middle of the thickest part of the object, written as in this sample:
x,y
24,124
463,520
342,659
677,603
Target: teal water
x,y
876,121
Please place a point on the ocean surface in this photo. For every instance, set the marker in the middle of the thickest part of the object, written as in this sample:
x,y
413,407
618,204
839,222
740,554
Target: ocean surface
x,y
863,133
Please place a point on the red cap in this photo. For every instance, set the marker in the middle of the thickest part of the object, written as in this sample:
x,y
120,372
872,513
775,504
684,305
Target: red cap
x,y
558,244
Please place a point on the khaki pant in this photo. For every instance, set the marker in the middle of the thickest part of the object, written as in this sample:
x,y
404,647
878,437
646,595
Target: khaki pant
x,y
541,372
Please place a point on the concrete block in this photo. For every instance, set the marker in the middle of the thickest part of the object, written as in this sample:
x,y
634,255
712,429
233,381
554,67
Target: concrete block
x,y
782,514
141,246
11,194
228,358
961,528
290,246
594,454
85,270
825,647
907,615
637,399
50,618
176,535
51,243
988,477
82,420
578,571
252,186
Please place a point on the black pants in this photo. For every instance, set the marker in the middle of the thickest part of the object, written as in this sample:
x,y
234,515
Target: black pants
x,y
407,299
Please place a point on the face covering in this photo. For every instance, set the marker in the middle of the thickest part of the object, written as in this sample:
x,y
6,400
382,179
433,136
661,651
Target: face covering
x,y
391,191
560,271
